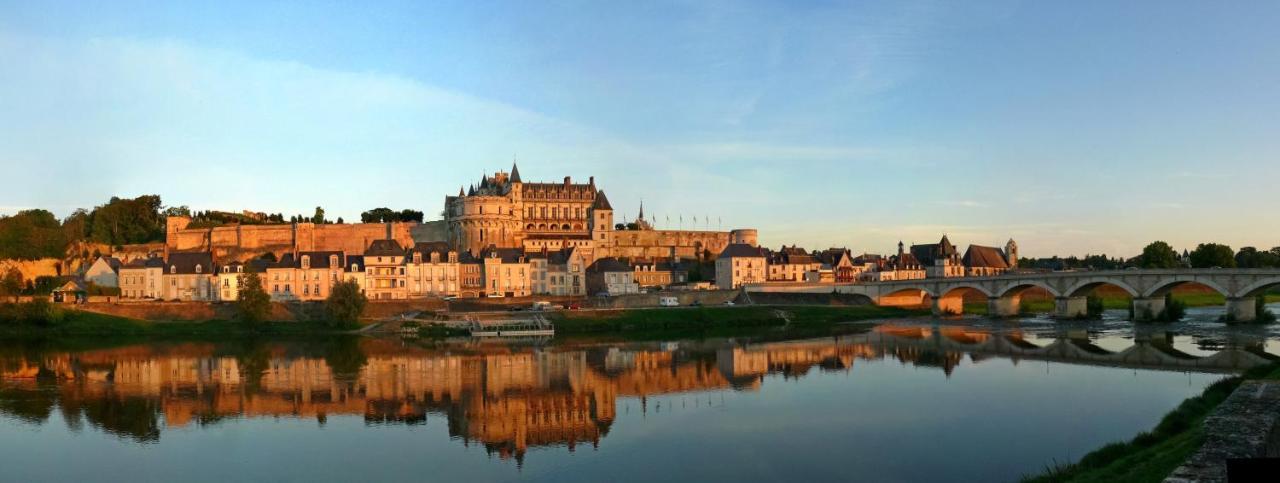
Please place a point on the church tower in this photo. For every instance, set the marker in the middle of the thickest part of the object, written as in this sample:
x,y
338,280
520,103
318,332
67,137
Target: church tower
x,y
1011,253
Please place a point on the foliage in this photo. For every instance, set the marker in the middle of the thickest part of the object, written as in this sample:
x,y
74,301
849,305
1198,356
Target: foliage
x,y
1094,307
39,312
1250,257
1159,255
345,304
253,304
11,283
1265,315
1091,262
1212,255
1174,309
31,235
387,215
318,218
124,221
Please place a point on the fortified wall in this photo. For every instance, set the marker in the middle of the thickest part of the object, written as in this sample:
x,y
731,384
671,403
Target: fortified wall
x,y
243,242
675,243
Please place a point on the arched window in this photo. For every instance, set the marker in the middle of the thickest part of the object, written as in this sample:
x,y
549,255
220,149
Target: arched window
x,y
565,226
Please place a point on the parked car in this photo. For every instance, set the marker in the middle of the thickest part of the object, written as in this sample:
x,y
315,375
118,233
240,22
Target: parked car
x,y
668,302
575,306
729,303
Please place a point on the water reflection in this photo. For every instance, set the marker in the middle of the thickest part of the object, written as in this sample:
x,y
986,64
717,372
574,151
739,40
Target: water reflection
x,y
508,398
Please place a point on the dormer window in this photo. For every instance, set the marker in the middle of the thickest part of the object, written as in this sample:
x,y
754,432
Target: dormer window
x,y
173,269
306,261
355,267
198,267
417,258
333,260
239,269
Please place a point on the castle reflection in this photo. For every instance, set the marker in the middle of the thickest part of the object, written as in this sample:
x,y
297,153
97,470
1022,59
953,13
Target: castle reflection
x,y
507,398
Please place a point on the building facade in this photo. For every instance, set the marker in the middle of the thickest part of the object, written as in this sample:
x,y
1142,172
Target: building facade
x,y
740,264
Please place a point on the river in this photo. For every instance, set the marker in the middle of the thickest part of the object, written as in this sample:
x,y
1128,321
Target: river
x,y
902,400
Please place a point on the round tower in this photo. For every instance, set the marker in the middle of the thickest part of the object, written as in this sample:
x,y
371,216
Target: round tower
x,y
746,236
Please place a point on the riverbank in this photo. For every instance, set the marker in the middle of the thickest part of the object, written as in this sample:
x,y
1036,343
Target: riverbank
x,y
82,323
1151,456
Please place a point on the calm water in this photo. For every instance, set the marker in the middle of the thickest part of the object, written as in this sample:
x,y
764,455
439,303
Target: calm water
x,y
972,400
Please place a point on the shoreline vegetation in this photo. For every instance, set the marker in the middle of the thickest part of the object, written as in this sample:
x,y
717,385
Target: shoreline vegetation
x,y
1153,455
42,318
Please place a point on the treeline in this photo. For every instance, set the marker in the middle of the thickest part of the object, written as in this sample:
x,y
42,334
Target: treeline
x,y
1161,255
34,234
387,215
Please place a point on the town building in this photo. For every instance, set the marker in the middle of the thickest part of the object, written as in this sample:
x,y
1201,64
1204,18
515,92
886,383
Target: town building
x,y
561,272
433,270
189,277
104,272
506,273
385,274
658,274
940,260
740,264
982,261
839,261
609,276
790,264
142,278
903,266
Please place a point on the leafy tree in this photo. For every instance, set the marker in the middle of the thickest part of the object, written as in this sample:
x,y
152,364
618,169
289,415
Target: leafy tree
x,y
253,304
11,283
345,304
1250,257
124,221
339,220
387,215
1159,255
177,211
31,235
1208,255
318,218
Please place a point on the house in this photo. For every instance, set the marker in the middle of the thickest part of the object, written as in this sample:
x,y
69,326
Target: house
x,y
470,275
609,276
740,264
306,275
507,273
141,279
229,281
940,259
71,292
790,264
189,276
560,272
839,261
354,271
385,274
432,270
658,274
104,272
903,266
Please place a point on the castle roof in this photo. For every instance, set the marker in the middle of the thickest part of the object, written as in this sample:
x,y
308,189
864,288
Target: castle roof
x,y
515,173
602,202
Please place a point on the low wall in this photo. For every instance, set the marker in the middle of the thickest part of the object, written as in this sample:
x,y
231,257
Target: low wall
x,y
1245,426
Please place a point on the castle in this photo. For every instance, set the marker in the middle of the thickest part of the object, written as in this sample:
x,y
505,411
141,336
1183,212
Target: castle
x,y
501,211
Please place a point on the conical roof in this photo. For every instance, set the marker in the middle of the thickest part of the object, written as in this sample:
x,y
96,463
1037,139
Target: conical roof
x,y
602,202
515,173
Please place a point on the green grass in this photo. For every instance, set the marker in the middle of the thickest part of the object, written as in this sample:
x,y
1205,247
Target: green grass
x,y
714,318
1151,456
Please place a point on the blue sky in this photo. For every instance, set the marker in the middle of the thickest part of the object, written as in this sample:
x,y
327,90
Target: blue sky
x,y
1074,127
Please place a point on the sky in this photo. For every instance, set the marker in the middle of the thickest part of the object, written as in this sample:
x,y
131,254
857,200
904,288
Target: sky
x,y
1072,127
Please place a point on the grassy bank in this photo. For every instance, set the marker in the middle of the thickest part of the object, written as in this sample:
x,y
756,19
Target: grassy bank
x,y
715,318
81,323
1151,456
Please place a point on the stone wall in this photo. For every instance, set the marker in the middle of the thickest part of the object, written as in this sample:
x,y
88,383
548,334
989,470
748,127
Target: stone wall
x,y
1245,426
30,269
666,243
242,242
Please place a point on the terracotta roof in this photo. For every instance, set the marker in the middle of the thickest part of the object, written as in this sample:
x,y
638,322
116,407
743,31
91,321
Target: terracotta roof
x,y
986,257
741,250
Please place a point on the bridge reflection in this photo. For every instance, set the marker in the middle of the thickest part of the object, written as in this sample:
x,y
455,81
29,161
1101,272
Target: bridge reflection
x,y
507,399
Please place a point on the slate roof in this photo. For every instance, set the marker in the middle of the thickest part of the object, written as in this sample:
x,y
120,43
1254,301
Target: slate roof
x,y
320,259
609,264
355,263
184,263
736,250
985,257
384,248
427,248
507,255
602,202
928,253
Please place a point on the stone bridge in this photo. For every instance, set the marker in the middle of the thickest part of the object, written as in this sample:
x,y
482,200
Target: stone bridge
x,y
1149,351
1070,289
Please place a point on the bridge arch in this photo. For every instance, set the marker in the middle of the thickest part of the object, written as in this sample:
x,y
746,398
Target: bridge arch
x,y
1165,285
1083,288
1017,287
947,290
1260,287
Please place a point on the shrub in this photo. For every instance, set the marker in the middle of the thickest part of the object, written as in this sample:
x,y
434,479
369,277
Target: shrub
x,y
253,304
345,304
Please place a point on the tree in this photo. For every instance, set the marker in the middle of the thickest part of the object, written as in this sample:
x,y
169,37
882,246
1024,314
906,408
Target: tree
x,y
253,304
318,218
1210,255
345,304
177,211
11,283
339,220
1159,255
1250,257
124,221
